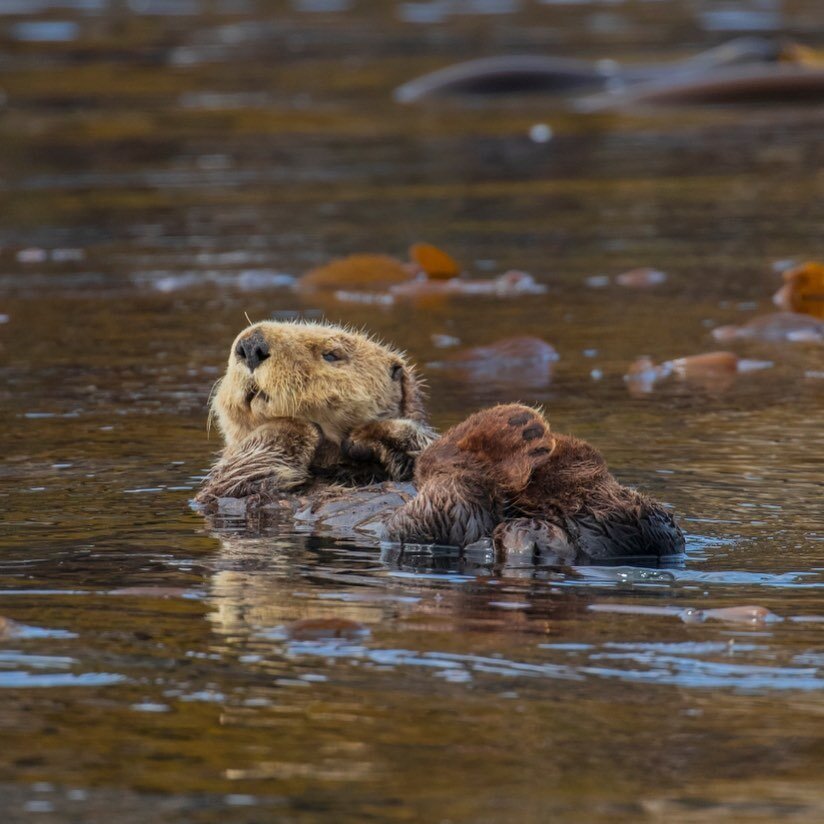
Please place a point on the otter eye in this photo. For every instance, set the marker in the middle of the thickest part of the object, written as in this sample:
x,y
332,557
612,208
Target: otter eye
x,y
395,371
332,357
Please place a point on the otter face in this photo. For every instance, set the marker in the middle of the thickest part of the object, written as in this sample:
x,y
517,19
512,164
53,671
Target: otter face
x,y
314,372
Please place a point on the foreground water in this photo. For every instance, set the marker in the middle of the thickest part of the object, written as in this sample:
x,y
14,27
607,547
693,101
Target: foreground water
x,y
161,173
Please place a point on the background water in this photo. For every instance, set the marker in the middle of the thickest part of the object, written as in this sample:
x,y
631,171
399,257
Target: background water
x,y
162,164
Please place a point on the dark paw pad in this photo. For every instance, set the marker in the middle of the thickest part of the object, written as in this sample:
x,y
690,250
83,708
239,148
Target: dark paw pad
x,y
533,432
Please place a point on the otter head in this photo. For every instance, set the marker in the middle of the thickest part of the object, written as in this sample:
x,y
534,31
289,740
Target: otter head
x,y
330,376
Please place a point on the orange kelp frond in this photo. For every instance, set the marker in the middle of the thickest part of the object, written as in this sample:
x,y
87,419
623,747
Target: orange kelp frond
x,y
436,263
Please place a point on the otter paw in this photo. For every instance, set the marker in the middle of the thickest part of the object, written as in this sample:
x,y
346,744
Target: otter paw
x,y
275,457
506,443
392,444
504,432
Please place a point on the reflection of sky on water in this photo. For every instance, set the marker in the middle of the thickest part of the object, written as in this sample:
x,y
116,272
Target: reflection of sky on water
x,y
681,665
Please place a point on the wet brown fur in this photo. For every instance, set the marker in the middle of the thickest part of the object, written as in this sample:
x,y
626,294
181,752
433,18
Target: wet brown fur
x,y
503,473
296,418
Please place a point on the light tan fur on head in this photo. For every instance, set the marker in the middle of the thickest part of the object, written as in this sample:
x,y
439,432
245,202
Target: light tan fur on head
x,y
334,377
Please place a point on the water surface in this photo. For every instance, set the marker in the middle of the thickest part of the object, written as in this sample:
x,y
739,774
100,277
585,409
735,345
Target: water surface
x,y
166,168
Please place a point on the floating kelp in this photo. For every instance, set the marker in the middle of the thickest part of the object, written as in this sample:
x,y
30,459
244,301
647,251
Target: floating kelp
x,y
711,371
434,262
359,277
361,271
803,290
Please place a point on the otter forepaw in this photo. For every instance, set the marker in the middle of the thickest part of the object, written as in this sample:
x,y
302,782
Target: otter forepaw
x,y
503,446
274,458
392,444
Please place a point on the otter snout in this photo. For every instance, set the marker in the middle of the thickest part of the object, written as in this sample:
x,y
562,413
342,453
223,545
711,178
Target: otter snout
x,y
252,350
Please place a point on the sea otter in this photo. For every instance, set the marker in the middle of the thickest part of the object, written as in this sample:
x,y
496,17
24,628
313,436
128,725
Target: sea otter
x,y
304,405
327,426
502,473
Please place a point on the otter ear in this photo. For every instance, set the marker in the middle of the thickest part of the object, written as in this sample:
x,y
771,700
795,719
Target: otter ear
x,y
411,405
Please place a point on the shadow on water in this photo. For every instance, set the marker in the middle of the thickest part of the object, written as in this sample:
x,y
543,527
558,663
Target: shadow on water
x,y
168,167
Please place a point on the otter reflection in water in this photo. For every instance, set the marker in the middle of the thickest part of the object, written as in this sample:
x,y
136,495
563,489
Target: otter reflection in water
x,y
326,426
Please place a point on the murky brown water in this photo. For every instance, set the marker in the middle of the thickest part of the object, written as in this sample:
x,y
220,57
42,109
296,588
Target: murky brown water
x,y
162,164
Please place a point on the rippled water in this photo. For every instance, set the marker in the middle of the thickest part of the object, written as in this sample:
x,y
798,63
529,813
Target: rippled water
x,y
168,167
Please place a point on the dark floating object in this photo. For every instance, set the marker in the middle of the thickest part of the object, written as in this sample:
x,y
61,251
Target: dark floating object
x,y
746,69
509,74
767,83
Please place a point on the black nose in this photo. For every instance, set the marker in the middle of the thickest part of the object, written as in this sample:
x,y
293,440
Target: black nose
x,y
252,350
